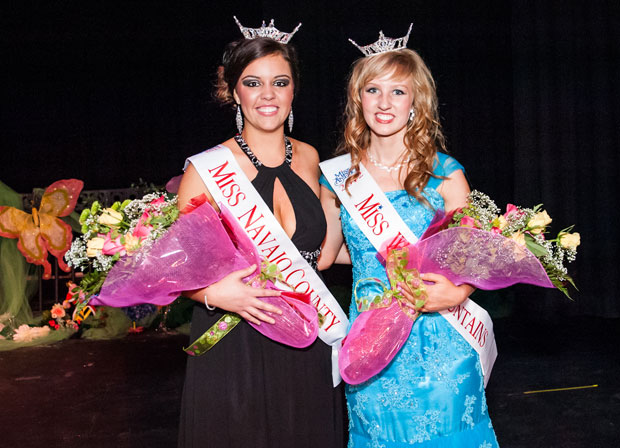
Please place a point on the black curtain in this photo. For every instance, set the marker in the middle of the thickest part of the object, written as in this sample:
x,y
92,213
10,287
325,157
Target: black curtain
x,y
114,92
566,66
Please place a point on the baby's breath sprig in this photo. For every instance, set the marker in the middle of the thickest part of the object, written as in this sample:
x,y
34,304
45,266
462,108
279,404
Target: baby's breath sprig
x,y
526,226
116,227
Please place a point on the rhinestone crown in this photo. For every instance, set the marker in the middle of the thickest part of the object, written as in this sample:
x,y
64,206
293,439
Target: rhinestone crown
x,y
269,31
384,44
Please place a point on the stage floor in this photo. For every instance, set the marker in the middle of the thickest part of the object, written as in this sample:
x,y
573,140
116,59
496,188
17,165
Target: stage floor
x,y
126,392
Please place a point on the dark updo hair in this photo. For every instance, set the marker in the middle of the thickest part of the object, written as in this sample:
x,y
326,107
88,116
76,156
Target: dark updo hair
x,y
241,53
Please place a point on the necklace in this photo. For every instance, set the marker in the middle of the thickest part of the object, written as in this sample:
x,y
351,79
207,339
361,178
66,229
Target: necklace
x,y
388,168
288,152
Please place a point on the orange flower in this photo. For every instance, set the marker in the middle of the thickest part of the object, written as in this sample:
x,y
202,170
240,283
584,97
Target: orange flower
x,y
58,311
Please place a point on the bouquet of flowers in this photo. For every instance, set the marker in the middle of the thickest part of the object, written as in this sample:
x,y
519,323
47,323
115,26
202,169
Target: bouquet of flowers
x,y
111,233
146,251
475,245
525,226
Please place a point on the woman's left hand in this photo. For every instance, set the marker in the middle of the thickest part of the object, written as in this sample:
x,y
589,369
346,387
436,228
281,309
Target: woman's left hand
x,y
441,293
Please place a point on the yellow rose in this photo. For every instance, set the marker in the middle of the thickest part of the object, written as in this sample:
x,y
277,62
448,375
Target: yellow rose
x,y
132,243
539,221
518,238
500,222
110,217
94,246
570,240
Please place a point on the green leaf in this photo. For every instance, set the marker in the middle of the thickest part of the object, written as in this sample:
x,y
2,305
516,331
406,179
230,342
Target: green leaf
x,y
534,247
570,280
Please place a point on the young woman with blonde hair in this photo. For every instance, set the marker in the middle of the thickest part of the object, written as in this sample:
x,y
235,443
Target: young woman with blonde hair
x,y
432,393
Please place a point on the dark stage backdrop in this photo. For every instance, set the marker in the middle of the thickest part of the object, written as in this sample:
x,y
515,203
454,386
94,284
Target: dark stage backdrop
x,y
112,92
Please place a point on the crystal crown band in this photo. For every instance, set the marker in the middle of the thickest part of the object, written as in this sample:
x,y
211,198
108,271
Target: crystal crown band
x,y
384,44
269,31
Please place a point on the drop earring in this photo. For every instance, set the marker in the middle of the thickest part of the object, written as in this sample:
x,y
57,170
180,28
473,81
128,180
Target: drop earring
x,y
290,121
239,119
411,114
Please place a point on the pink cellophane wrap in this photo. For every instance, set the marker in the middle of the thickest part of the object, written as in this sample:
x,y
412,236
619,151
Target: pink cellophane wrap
x,y
297,326
464,255
374,339
477,257
199,249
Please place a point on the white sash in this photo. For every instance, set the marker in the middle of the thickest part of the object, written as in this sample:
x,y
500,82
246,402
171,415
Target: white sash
x,y
228,185
377,218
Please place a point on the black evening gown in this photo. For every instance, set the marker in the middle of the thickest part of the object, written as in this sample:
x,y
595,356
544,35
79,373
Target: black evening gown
x,y
249,391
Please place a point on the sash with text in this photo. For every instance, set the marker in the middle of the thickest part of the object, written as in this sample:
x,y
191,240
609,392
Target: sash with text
x,y
228,185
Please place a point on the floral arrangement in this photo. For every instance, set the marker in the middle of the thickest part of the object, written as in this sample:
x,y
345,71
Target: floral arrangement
x,y
108,234
51,320
57,317
475,244
527,227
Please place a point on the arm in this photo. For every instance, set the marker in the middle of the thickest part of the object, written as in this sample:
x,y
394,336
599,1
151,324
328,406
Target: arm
x,y
230,293
454,190
333,249
442,293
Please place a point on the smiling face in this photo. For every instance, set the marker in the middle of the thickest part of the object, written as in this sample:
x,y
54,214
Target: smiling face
x,y
386,102
265,91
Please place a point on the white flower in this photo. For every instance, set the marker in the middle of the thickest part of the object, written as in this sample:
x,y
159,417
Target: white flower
x,y
26,333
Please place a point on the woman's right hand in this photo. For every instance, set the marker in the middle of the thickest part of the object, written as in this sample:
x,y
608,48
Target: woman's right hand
x,y
232,294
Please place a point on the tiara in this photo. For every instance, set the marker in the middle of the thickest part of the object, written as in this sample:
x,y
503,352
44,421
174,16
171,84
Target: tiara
x,y
384,44
266,31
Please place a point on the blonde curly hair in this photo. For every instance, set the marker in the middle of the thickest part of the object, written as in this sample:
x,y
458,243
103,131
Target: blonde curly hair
x,y
423,137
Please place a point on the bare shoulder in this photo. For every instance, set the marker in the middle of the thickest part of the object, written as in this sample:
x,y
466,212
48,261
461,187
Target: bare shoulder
x,y
305,151
306,164
231,144
191,186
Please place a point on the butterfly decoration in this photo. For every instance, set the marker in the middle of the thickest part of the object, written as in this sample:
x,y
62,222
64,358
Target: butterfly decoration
x,y
42,231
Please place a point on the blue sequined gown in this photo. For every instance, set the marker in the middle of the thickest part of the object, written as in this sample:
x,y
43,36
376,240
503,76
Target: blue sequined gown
x,y
431,394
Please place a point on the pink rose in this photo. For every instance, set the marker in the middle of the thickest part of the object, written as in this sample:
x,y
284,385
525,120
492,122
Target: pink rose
x,y
496,230
468,221
511,210
159,200
142,230
112,246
